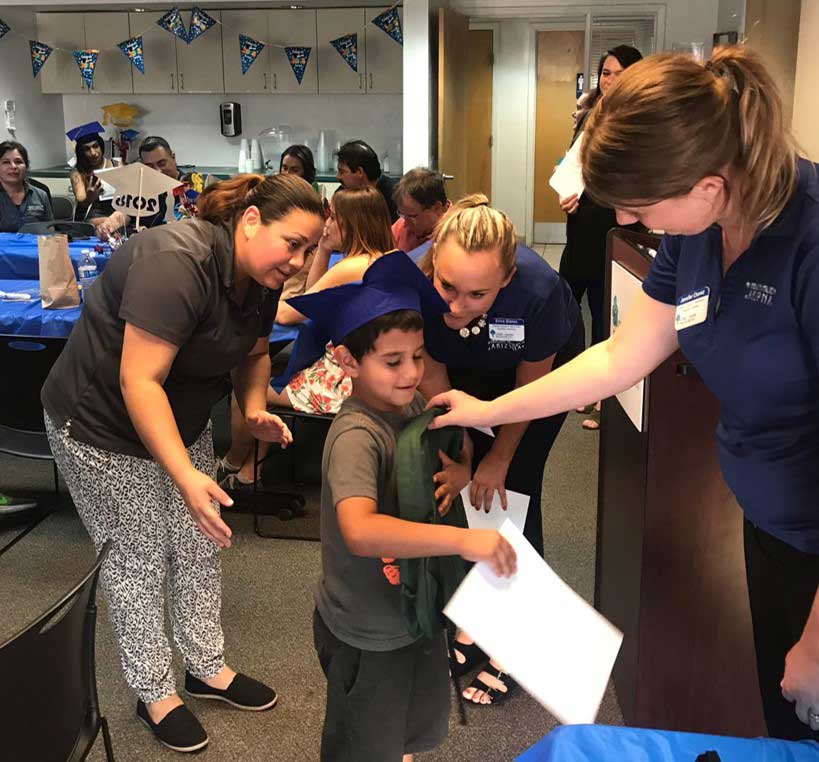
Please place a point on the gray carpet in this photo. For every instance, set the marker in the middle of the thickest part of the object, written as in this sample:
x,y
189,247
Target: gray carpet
x,y
267,610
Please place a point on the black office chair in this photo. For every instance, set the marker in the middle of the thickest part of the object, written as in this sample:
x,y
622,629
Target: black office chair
x,y
63,208
49,708
26,362
69,228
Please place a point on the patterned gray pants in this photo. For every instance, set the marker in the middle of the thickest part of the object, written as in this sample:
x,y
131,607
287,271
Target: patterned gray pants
x,y
134,503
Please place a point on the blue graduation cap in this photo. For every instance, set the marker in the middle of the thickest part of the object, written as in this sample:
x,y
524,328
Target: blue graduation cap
x,y
393,282
129,135
85,130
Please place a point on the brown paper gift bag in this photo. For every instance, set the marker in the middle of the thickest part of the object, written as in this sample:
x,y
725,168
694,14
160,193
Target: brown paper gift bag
x,y
58,285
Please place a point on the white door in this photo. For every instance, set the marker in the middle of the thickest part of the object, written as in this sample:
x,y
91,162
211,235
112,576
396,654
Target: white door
x,y
292,28
385,57
335,74
113,71
200,62
159,48
252,24
60,73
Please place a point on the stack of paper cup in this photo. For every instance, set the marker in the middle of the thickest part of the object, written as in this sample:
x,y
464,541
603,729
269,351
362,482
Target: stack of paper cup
x,y
244,155
255,156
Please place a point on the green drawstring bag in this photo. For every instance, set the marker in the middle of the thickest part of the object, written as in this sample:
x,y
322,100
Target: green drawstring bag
x,y
427,584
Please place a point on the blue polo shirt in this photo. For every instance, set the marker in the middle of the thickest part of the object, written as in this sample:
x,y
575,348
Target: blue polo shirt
x,y
531,319
758,352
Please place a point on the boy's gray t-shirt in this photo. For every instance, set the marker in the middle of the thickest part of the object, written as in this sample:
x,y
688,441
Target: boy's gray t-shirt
x,y
358,598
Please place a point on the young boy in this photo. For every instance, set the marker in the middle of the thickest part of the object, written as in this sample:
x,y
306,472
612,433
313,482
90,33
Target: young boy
x,y
387,694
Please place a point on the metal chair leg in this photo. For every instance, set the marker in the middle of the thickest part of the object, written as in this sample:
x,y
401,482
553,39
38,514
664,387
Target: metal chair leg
x,y
106,739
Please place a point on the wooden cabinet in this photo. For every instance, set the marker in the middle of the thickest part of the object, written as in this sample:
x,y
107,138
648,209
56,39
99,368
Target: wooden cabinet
x,y
292,28
385,57
113,72
335,74
60,73
253,24
199,64
159,48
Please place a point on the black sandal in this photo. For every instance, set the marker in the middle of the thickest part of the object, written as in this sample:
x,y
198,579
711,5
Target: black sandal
x,y
496,696
473,656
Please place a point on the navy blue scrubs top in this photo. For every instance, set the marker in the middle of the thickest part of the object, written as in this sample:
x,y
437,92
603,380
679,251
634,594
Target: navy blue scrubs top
x,y
532,318
758,351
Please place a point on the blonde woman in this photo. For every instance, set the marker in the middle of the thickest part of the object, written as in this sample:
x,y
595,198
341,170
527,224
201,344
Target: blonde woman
x,y
704,153
359,225
512,319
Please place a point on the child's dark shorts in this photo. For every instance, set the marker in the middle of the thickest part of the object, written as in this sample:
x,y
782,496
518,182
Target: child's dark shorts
x,y
382,704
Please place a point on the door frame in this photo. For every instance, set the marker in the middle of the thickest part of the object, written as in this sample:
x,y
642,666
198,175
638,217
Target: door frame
x,y
494,27
564,18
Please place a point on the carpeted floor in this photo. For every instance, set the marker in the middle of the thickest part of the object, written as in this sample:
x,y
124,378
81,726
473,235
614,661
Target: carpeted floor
x,y
267,609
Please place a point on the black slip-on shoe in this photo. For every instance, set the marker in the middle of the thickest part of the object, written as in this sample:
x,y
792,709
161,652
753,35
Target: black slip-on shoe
x,y
178,730
243,693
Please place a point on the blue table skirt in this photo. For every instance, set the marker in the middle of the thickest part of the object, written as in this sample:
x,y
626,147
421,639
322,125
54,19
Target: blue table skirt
x,y
601,743
30,319
19,255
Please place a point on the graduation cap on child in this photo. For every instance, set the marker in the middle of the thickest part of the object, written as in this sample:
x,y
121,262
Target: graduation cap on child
x,y
393,282
91,129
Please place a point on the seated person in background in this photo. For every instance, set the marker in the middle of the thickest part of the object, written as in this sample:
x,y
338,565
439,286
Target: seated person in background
x,y
154,152
399,705
358,167
20,201
421,199
298,160
359,225
88,189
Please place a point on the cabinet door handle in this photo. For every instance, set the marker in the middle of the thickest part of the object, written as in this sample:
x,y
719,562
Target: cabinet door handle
x,y
172,87
181,81
360,81
371,80
275,81
265,80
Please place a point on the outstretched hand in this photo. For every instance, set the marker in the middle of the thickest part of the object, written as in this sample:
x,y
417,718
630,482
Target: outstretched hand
x,y
269,428
463,410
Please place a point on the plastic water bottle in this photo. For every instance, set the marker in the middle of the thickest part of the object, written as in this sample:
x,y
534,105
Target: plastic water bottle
x,y
87,270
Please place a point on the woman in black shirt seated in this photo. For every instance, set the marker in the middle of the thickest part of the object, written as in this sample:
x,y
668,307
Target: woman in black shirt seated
x,y
20,201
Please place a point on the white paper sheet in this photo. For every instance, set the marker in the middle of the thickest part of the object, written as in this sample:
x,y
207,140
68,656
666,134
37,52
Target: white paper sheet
x,y
567,179
517,506
545,635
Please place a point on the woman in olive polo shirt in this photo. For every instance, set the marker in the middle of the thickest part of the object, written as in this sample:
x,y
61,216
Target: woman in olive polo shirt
x,y
735,286
177,311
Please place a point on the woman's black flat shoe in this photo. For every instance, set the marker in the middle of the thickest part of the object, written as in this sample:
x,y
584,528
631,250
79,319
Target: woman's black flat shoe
x,y
178,730
243,693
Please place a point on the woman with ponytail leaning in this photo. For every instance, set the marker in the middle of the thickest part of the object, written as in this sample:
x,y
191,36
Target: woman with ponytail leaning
x,y
179,309
512,319
703,152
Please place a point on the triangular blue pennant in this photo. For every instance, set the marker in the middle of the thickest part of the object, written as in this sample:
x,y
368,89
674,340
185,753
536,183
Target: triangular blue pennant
x,y
390,22
39,55
134,51
87,62
249,50
200,23
347,47
172,22
298,57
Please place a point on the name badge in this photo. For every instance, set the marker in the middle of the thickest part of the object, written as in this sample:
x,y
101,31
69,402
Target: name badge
x,y
692,309
506,333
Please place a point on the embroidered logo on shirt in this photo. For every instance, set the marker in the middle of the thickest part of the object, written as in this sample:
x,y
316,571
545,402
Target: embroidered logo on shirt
x,y
760,293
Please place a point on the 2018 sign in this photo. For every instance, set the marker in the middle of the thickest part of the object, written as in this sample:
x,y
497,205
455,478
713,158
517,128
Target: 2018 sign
x,y
140,203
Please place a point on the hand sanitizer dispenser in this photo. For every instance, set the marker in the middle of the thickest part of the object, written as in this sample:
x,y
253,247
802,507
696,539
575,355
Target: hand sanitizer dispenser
x,y
230,115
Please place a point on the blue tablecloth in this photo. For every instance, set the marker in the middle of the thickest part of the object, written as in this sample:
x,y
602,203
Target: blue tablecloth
x,y
601,743
19,257
30,319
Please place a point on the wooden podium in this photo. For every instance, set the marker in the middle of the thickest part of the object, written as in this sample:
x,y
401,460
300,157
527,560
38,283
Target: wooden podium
x,y
670,571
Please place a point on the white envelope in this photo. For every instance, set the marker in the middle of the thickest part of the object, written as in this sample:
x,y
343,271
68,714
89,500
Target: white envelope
x,y
568,177
517,506
545,635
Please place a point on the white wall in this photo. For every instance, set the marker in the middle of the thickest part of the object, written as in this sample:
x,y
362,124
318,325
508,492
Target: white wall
x,y
190,123
39,117
417,112
805,103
